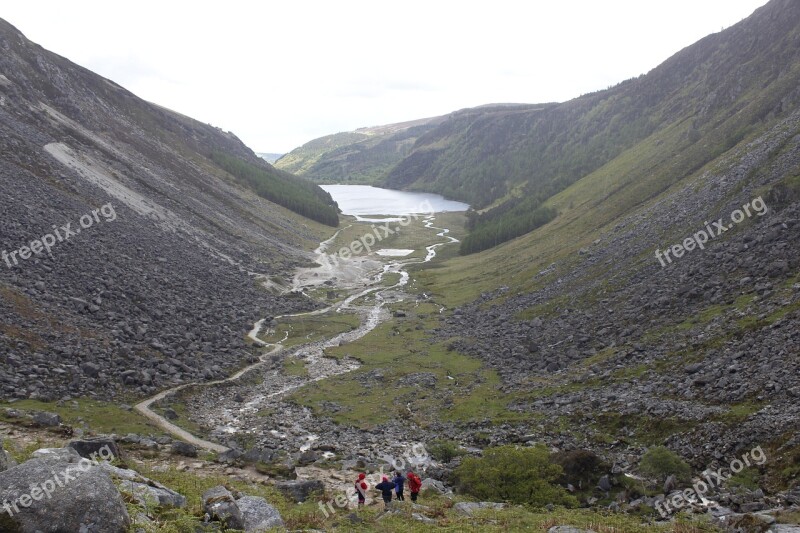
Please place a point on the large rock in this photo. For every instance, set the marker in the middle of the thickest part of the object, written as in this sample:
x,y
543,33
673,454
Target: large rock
x,y
259,516
150,494
96,448
6,461
568,529
45,419
219,504
46,495
184,448
298,490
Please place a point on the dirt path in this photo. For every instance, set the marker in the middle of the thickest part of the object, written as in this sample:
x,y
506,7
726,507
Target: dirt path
x,y
313,353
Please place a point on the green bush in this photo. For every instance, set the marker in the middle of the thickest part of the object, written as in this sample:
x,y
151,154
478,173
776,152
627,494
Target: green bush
x,y
444,450
516,475
660,462
582,468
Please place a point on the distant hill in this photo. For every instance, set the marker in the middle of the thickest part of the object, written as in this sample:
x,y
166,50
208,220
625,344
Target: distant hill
x,y
269,157
361,156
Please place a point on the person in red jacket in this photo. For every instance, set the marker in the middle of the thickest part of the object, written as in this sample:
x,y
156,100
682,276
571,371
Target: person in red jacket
x,y
361,489
414,484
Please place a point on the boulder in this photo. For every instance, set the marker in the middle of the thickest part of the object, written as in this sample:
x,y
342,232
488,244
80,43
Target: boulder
x,y
219,504
150,494
6,461
57,455
298,490
184,448
568,529
45,419
259,516
102,447
76,497
433,484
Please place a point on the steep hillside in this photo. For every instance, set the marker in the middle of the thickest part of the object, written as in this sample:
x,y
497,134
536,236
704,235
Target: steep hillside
x,y
131,236
361,156
709,97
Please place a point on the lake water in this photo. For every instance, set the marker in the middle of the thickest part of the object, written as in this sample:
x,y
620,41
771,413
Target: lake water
x,y
366,200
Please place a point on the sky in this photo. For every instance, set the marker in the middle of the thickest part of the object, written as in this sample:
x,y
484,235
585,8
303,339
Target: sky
x,y
279,74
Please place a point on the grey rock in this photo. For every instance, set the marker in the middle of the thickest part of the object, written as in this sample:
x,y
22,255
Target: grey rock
x,y
88,501
184,448
422,518
259,516
568,529
98,447
300,490
43,418
220,506
150,494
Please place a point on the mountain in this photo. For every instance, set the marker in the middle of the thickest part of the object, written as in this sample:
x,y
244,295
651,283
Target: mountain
x,y
361,156
269,157
698,104
133,238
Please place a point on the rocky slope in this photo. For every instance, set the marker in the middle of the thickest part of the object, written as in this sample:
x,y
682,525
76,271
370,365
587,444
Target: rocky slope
x,y
699,103
158,285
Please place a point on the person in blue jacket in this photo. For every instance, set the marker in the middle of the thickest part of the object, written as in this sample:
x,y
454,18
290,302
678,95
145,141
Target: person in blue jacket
x,y
399,481
385,486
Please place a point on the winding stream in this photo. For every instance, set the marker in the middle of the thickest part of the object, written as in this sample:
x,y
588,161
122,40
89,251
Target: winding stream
x,y
275,383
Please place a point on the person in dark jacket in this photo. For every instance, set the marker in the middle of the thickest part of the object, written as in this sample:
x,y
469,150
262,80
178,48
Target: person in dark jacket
x,y
414,484
361,489
385,486
399,481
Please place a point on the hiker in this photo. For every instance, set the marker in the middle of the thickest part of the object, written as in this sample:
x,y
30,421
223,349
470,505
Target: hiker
x,y
361,489
399,481
385,486
414,484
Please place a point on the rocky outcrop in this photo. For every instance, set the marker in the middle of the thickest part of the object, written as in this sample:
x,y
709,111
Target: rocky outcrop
x,y
76,496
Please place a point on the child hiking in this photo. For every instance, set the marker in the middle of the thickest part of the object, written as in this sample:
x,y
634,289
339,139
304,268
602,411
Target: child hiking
x,y
361,489
385,486
414,484
399,481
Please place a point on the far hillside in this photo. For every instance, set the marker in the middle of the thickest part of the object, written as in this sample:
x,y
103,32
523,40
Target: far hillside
x,y
363,156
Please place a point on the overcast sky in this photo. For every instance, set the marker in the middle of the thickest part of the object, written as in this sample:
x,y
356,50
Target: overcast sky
x,y
279,74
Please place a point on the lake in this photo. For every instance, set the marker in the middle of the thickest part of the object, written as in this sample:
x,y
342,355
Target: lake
x,y
360,200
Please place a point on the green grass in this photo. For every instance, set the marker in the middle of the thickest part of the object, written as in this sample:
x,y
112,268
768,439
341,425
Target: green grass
x,y
98,416
304,329
395,349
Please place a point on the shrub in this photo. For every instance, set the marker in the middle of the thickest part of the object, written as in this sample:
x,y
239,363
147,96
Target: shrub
x,y
517,475
582,468
444,451
660,462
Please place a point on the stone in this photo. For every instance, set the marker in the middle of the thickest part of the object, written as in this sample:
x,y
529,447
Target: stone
x,y
259,516
568,529
300,490
88,501
150,494
45,419
184,449
102,447
220,506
